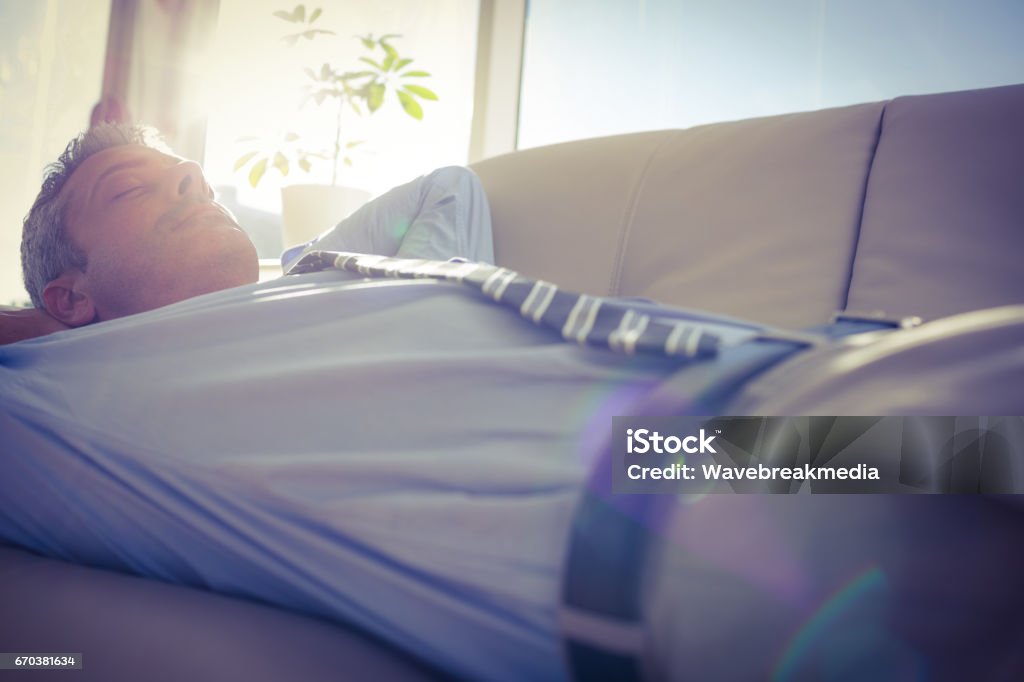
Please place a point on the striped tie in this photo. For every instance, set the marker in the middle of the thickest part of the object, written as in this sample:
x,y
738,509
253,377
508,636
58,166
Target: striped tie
x,y
586,320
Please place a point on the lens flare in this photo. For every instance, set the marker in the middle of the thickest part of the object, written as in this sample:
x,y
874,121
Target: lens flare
x,y
848,635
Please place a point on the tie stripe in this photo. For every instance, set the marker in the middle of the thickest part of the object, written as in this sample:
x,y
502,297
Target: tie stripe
x,y
630,328
495,284
583,319
538,300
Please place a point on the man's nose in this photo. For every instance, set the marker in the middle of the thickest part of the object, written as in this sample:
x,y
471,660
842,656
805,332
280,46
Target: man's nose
x,y
186,179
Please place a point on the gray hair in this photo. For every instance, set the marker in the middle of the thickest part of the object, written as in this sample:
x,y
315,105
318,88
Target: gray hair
x,y
46,250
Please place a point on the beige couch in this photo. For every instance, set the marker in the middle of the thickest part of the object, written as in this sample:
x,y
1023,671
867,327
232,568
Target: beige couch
x,y
913,206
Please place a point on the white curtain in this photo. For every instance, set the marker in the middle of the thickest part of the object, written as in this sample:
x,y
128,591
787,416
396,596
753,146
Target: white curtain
x,y
156,54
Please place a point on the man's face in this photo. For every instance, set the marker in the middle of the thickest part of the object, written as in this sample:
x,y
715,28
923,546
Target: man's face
x,y
151,232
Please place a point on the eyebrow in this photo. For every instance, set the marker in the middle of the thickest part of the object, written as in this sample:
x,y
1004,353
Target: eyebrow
x,y
130,163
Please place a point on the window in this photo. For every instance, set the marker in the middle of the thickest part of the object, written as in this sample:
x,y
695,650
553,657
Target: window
x,y
601,67
51,72
256,83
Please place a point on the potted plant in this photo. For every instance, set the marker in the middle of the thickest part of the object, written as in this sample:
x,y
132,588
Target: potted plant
x,y
383,75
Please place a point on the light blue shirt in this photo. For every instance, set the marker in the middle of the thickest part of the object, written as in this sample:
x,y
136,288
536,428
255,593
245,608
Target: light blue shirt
x,y
401,455
440,215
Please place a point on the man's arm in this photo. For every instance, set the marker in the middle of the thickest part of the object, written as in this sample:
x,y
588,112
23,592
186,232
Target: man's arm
x,y
438,216
18,324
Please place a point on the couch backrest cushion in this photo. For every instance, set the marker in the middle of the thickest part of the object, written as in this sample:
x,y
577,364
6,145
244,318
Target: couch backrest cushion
x,y
943,228
559,212
754,218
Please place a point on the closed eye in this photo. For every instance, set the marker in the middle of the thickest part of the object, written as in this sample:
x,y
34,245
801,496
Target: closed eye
x,y
135,190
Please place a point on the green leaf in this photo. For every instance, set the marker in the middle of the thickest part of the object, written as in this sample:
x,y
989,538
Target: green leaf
x,y
421,91
311,33
402,63
389,61
286,16
415,74
257,171
281,163
325,71
315,15
354,143
368,42
309,72
291,137
352,75
290,40
300,13
244,159
384,38
411,106
372,63
304,164
376,97
348,161
391,52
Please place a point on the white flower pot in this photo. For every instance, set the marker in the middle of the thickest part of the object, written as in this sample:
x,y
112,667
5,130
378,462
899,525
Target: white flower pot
x,y
309,210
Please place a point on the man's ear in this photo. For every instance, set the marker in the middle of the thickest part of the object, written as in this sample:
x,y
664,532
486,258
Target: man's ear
x,y
65,301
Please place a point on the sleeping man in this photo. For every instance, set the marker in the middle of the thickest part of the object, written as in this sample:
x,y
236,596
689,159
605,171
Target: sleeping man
x,y
402,455
122,226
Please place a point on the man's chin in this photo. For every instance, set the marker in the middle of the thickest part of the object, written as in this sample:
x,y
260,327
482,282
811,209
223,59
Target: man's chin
x,y
212,271
225,248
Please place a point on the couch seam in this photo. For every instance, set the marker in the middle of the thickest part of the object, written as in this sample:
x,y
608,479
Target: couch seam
x,y
858,228
620,256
